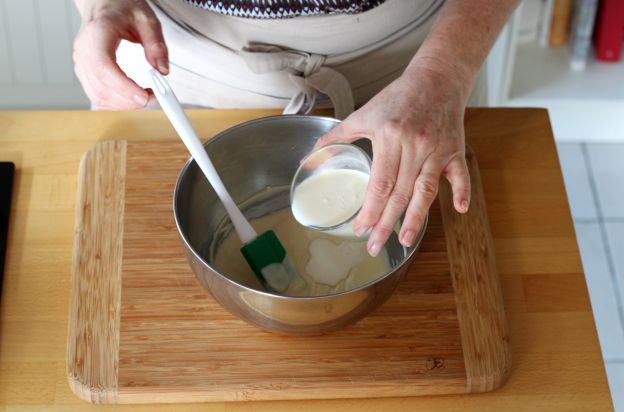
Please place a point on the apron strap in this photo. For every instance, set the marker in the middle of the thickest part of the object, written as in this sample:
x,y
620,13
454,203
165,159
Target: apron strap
x,y
307,73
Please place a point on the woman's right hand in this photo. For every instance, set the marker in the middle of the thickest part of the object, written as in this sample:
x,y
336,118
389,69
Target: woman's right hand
x,y
104,24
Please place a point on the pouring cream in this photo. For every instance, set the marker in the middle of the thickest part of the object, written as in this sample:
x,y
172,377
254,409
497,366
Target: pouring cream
x,y
329,200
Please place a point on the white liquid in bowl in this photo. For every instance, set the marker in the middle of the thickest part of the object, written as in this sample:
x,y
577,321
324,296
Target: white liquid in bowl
x,y
326,264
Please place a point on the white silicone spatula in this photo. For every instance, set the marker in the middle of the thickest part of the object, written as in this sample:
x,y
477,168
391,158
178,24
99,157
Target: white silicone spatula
x,y
265,254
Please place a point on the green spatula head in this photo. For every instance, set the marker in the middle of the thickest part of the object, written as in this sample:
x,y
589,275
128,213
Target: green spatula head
x,y
268,259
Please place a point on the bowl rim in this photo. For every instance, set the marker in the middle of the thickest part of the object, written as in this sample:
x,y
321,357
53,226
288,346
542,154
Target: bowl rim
x,y
408,257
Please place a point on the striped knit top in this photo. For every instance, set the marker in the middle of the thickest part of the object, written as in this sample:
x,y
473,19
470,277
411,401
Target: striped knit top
x,y
278,9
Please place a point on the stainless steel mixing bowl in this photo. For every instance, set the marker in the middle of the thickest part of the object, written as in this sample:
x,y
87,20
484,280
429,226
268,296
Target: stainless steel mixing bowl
x,y
250,157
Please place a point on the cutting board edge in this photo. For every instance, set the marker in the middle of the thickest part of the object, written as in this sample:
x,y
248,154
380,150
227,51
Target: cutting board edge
x,y
484,329
389,390
96,290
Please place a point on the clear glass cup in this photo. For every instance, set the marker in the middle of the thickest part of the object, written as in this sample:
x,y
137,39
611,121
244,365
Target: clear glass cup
x,y
337,163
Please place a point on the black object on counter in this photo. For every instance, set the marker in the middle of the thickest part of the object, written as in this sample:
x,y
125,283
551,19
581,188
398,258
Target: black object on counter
x,y
7,171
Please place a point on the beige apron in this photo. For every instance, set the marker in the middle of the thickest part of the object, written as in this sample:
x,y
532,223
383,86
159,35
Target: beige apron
x,y
222,61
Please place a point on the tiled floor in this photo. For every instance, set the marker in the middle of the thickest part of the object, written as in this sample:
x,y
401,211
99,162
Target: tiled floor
x,y
594,179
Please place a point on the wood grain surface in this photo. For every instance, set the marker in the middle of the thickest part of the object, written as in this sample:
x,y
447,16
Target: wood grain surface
x,y
557,363
93,333
478,297
176,344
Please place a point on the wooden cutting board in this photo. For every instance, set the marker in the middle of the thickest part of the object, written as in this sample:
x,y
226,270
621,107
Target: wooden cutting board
x,y
143,330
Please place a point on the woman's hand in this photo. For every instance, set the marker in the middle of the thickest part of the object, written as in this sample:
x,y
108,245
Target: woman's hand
x,y
416,126
104,24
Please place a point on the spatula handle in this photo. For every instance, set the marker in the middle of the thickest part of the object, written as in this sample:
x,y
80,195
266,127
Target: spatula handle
x,y
172,108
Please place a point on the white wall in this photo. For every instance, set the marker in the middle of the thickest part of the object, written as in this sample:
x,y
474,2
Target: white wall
x,y
36,69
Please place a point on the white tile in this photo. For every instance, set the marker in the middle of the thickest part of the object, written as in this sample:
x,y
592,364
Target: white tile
x,y
576,181
607,167
615,375
601,290
615,236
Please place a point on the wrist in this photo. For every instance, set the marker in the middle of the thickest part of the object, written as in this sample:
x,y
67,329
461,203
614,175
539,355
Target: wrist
x,y
90,9
444,72
85,9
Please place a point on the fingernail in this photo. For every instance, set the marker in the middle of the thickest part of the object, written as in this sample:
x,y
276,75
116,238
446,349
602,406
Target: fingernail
x,y
141,100
408,238
362,231
464,205
373,249
163,66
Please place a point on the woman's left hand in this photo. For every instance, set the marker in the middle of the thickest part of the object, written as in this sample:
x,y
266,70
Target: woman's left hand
x,y
416,126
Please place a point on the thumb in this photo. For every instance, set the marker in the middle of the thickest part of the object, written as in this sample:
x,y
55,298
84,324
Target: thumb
x,y
150,36
458,176
342,133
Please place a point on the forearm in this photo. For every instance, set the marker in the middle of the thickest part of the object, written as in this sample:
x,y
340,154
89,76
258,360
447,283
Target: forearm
x,y
461,38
